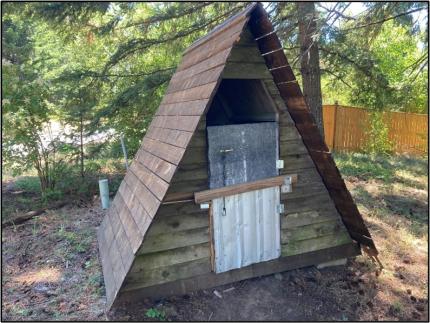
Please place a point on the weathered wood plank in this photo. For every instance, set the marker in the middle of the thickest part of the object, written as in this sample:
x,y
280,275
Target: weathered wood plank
x,y
173,137
292,147
295,162
234,70
303,204
157,165
200,92
148,200
289,132
131,229
194,155
165,274
180,208
169,153
168,258
304,246
138,212
178,222
124,248
209,63
117,266
186,186
312,231
304,189
265,268
200,79
172,240
299,219
208,195
191,172
155,184
248,54
185,123
205,48
191,108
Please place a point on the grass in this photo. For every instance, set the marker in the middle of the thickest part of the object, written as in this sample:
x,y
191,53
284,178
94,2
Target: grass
x,y
392,195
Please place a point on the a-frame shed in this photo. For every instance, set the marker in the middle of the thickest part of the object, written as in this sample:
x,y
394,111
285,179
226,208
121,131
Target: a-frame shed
x,y
156,238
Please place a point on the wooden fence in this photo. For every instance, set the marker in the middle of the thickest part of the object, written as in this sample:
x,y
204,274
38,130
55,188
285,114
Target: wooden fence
x,y
346,129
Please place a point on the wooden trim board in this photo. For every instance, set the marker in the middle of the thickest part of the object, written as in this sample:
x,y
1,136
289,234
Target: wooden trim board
x,y
208,195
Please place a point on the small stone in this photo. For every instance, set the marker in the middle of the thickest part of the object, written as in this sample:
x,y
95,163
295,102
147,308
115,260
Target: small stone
x,y
217,294
407,260
413,298
409,291
278,276
420,308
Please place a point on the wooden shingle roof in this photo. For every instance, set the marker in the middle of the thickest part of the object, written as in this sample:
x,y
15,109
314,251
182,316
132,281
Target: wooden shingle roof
x,y
187,99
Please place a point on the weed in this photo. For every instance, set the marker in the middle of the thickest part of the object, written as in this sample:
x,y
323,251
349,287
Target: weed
x,y
396,307
28,184
153,313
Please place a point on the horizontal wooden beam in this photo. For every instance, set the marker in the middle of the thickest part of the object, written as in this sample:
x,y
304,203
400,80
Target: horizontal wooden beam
x,y
208,195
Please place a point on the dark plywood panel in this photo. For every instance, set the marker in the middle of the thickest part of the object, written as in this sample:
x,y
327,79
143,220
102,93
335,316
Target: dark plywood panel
x,y
252,153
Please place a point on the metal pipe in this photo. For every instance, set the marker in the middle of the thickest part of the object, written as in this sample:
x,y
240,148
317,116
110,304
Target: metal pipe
x,y
104,193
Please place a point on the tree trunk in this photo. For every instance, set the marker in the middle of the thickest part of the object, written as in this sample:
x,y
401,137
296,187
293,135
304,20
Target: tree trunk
x,y
82,146
309,60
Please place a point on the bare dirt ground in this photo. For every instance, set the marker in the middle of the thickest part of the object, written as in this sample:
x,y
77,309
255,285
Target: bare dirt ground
x,y
51,270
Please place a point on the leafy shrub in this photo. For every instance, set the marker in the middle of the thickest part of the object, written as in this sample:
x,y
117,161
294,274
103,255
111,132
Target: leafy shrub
x,y
378,141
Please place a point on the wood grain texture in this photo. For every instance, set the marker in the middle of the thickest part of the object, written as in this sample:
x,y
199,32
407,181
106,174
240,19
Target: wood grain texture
x,y
191,108
211,279
208,195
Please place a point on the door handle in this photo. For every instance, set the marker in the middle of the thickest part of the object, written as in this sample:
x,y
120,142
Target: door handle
x,y
225,151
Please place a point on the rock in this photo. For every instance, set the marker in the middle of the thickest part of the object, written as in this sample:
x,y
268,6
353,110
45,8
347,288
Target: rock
x,y
409,291
420,308
407,260
217,294
278,276
413,298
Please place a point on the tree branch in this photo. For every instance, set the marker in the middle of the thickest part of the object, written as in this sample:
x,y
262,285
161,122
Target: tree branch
x,y
384,20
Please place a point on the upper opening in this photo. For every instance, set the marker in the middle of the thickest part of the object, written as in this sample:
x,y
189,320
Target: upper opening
x,y
241,101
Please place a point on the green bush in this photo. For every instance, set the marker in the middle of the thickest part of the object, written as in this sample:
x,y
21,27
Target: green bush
x,y
378,141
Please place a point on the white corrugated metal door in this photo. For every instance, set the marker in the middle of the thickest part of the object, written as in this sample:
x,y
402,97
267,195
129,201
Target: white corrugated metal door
x,y
246,228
